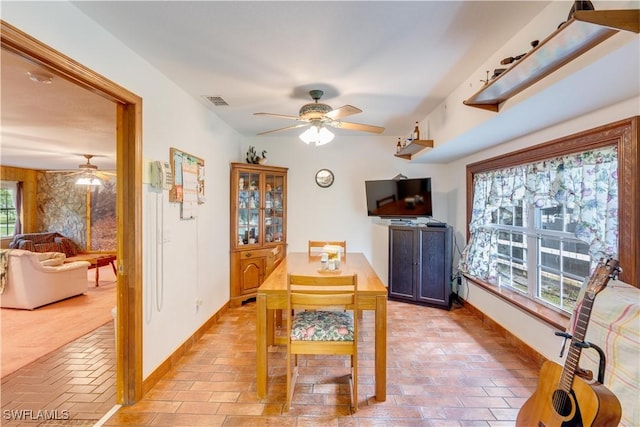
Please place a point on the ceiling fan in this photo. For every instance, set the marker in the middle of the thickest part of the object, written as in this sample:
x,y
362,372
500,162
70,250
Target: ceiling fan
x,y
88,169
319,115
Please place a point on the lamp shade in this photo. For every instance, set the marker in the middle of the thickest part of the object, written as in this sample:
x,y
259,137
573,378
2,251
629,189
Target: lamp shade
x,y
88,180
317,134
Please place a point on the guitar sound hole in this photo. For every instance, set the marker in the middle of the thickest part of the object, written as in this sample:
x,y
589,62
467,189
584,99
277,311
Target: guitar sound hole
x,y
562,403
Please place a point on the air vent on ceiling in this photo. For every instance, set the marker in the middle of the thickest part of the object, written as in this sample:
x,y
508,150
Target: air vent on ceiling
x,y
218,101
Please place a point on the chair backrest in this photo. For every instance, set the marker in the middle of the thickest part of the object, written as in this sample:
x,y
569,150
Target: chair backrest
x,y
322,292
316,246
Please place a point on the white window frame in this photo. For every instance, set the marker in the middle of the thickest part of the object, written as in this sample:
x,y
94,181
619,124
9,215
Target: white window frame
x,y
11,186
532,233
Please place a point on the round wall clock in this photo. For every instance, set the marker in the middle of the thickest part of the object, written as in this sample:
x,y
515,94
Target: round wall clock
x,y
324,178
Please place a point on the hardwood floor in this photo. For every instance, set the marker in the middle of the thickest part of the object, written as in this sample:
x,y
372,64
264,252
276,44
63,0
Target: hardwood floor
x,y
73,385
445,368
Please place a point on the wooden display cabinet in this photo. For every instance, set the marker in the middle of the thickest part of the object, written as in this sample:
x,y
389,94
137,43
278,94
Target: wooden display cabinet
x,y
258,226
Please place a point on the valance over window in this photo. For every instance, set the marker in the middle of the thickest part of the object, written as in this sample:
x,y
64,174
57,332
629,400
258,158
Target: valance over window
x,y
585,182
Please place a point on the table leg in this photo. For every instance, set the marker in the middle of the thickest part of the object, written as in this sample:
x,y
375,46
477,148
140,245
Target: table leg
x,y
261,346
113,266
271,329
97,274
381,348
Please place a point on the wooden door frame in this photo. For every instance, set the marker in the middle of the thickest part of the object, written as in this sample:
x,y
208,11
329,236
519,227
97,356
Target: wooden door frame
x,y
128,202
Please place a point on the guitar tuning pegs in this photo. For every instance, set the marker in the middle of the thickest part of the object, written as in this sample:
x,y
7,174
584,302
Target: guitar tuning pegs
x,y
616,273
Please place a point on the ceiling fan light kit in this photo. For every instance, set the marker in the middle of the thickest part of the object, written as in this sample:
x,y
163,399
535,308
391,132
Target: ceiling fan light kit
x,y
318,134
87,180
318,116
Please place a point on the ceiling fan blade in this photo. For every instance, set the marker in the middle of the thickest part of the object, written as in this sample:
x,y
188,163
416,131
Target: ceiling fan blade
x,y
72,172
66,172
358,126
282,116
286,128
103,174
344,111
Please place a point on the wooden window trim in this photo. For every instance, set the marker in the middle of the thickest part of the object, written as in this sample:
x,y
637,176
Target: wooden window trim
x,y
625,135
553,318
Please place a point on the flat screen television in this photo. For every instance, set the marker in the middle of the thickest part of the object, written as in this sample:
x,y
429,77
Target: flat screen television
x,y
399,198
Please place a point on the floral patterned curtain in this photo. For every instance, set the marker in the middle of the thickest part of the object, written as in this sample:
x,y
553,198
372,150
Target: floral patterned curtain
x,y
586,182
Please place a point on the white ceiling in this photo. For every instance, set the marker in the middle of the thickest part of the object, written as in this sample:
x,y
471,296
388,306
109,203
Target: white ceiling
x,y
52,125
394,60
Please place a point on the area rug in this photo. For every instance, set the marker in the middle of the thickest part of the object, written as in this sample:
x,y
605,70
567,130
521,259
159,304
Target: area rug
x,y
27,335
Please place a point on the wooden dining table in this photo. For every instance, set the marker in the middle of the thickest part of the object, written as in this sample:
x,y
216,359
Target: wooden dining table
x,y
272,295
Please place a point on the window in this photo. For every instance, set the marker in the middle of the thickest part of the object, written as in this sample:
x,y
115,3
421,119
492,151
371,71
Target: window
x,y
540,227
8,212
542,237
543,247
563,260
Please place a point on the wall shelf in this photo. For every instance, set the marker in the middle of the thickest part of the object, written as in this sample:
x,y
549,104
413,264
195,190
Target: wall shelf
x,y
416,147
586,29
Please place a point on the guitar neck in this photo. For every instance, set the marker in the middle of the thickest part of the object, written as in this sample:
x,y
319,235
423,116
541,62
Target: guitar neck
x,y
579,334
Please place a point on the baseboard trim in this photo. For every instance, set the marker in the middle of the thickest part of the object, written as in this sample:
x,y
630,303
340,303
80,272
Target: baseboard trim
x,y
512,340
172,360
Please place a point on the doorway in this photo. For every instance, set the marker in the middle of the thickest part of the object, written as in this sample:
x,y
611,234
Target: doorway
x,y
128,200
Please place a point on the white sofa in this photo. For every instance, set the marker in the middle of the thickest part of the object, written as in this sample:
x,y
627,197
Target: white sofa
x,y
34,279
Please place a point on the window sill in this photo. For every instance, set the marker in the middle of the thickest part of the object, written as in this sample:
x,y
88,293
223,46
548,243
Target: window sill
x,y
545,314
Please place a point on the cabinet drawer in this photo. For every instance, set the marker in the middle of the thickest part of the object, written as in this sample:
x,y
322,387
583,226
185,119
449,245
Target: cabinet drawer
x,y
278,254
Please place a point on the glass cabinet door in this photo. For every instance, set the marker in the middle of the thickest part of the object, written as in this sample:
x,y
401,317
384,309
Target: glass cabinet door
x,y
274,208
248,208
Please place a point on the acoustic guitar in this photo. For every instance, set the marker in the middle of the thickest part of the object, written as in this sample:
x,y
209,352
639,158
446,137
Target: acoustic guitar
x,y
563,397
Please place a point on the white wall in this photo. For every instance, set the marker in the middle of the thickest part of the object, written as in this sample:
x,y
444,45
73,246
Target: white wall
x,y
196,257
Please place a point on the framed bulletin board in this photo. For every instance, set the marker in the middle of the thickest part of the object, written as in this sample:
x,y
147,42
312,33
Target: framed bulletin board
x,y
188,181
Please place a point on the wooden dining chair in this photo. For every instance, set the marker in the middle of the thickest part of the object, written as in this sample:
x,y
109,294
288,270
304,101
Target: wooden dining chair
x,y
320,321
315,247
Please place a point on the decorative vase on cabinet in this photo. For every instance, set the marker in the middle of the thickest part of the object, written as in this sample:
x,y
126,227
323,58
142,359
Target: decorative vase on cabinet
x,y
258,226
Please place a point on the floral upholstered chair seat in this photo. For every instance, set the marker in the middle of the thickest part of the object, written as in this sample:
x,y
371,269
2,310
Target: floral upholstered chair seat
x,y
322,326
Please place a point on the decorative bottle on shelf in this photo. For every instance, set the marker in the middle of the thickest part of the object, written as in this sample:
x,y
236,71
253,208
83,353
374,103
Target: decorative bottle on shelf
x,y
416,133
398,145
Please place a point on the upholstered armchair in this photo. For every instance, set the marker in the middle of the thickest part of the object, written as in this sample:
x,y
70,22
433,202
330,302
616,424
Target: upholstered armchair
x,y
33,279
